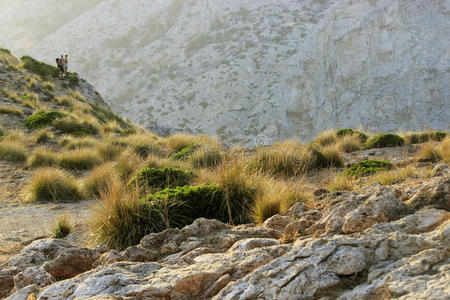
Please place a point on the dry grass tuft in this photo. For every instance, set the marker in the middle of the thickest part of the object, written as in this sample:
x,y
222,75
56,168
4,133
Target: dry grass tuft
x,y
42,136
100,180
62,227
327,137
341,183
11,110
349,143
394,176
127,163
13,151
79,159
179,141
53,185
42,157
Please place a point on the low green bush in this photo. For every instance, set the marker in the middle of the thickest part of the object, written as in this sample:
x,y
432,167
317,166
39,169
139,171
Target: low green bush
x,y
184,153
423,137
157,178
70,125
385,140
180,206
42,119
348,131
367,167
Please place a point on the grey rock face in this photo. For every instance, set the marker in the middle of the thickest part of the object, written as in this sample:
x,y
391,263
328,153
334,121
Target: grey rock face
x,y
240,69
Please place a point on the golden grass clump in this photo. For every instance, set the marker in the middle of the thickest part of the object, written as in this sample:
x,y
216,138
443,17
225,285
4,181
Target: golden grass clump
x,y
79,159
62,227
127,163
277,197
42,136
341,183
240,191
11,110
108,151
53,185
112,127
49,86
42,157
282,161
65,100
13,151
332,156
15,135
11,95
349,143
327,137
78,143
120,219
431,151
179,141
143,144
394,176
101,178
206,157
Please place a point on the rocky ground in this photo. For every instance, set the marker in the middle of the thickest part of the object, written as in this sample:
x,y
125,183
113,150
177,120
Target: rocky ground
x,y
375,243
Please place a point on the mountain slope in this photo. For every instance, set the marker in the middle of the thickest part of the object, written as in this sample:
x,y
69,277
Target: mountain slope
x,y
277,68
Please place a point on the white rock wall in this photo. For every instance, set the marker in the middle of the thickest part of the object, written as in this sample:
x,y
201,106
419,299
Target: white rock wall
x,y
280,68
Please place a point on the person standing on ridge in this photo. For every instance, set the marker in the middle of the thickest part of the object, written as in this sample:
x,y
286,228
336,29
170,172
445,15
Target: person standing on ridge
x,y
65,66
60,63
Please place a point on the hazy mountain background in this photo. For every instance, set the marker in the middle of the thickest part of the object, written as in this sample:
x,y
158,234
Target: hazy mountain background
x,y
279,68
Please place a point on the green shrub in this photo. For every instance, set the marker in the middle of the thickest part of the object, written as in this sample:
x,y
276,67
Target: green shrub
x,y
42,158
348,131
160,178
180,206
185,152
385,140
11,110
79,159
40,68
70,125
367,167
13,151
62,227
42,119
53,185
423,137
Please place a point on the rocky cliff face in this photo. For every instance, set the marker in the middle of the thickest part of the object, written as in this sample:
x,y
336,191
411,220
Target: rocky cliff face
x,y
279,68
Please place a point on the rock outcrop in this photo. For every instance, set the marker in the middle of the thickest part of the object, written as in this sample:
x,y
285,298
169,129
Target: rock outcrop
x,y
277,68
370,245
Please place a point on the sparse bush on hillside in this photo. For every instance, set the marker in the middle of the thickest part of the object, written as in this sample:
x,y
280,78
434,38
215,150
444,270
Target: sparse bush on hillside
x,y
15,135
160,178
42,119
206,157
62,227
11,110
108,151
367,167
143,144
423,137
53,185
385,140
40,68
65,100
101,178
42,157
332,156
13,151
112,126
180,141
79,159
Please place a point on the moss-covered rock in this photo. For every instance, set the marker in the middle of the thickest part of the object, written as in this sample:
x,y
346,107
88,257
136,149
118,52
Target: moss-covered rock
x,y
43,119
385,140
158,178
367,167
348,131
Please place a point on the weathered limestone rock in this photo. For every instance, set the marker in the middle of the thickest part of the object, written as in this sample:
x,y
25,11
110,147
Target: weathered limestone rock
x,y
277,222
32,275
434,194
